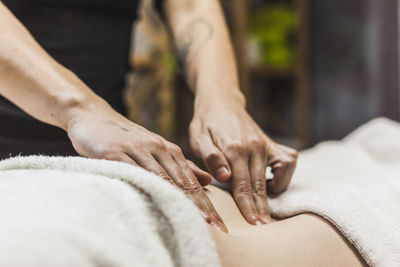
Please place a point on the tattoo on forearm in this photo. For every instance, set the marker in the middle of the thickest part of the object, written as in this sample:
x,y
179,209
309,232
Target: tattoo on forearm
x,y
193,38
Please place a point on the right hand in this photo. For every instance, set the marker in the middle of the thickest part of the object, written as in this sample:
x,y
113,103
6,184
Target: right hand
x,y
105,134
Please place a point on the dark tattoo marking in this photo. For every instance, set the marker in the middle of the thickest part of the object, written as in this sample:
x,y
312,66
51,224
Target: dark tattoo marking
x,y
193,38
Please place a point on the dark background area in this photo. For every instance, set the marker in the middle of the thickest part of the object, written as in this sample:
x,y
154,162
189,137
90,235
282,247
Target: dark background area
x,y
311,70
354,59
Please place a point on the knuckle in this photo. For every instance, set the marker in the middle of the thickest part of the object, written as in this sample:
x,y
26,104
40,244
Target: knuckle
x,y
158,143
258,143
259,187
175,149
243,189
295,154
191,188
290,162
291,152
237,147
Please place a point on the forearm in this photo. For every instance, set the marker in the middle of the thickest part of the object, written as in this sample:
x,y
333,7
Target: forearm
x,y
34,81
204,48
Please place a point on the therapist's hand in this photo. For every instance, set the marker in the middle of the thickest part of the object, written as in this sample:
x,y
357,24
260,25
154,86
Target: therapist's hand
x,y
234,148
104,134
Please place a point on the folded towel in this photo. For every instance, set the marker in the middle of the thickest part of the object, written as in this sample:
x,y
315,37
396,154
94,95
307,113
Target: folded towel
x,y
84,212
355,184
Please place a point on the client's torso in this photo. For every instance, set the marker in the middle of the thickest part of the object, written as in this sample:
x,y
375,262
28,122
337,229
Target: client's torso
x,y
303,240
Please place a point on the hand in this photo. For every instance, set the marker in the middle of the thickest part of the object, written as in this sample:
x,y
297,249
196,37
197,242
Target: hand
x,y
233,147
105,134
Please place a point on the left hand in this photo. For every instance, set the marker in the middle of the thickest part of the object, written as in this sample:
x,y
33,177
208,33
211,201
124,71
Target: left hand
x,y
233,147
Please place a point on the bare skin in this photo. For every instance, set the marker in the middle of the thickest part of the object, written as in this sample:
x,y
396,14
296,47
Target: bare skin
x,y
49,92
303,240
221,133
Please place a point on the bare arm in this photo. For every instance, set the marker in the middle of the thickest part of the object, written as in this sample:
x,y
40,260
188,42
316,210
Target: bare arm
x,y
222,133
35,81
45,89
203,46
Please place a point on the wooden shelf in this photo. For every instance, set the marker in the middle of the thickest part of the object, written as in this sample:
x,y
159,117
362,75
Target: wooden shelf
x,y
298,73
271,71
143,62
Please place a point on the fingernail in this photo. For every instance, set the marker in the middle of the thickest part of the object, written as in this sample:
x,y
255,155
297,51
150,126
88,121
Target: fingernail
x,y
267,219
220,227
260,222
221,172
221,223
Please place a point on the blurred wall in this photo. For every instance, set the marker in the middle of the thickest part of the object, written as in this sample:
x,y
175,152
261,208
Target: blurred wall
x,y
354,64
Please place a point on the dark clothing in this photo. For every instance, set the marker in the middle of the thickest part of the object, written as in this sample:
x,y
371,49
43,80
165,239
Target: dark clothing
x,y
91,38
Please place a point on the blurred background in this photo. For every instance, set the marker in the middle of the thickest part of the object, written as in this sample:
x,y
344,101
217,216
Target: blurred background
x,y
311,69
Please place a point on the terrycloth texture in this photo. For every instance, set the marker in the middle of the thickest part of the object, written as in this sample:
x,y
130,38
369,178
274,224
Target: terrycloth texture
x,y
81,212
355,184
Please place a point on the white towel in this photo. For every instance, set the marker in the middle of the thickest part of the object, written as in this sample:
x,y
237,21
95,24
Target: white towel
x,y
82,212
355,184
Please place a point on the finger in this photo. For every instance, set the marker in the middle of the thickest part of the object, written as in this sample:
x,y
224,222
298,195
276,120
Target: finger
x,y
258,166
213,158
290,151
151,164
243,192
202,176
121,157
207,210
283,172
196,192
176,166
283,163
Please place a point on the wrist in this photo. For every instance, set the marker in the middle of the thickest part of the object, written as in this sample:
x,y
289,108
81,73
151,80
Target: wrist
x,y
228,97
74,106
